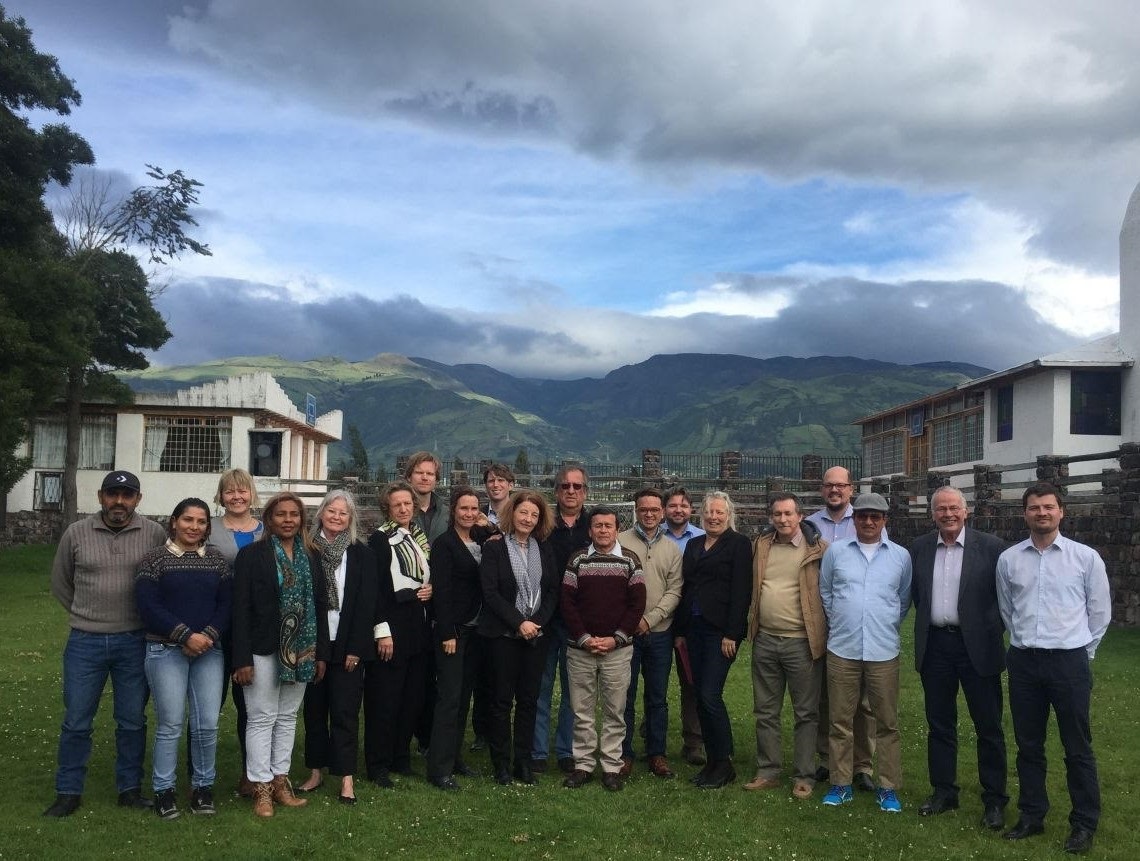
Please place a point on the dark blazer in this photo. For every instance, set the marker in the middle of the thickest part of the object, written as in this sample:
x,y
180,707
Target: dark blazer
x,y
358,609
257,604
456,590
978,614
500,618
408,618
720,581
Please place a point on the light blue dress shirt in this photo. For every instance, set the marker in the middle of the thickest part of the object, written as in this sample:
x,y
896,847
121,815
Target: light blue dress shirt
x,y
832,531
683,539
1056,598
865,600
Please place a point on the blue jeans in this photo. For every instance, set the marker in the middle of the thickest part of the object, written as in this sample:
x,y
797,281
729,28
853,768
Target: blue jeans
x,y
710,672
88,659
555,662
177,680
653,657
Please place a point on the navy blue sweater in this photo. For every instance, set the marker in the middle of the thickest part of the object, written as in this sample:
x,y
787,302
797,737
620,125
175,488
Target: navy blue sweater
x,y
183,595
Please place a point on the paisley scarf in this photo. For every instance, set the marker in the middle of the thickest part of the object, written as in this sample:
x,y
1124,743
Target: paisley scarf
x,y
297,636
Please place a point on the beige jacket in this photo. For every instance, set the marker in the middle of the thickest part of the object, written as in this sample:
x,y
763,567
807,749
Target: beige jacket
x,y
814,619
661,565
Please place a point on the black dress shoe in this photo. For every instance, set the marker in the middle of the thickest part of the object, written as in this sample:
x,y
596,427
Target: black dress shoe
x,y
721,774
577,779
994,817
863,782
566,764
822,774
701,776
1079,842
64,805
503,776
464,770
383,781
937,804
134,798
523,774
538,766
347,799
613,781
447,782
1024,828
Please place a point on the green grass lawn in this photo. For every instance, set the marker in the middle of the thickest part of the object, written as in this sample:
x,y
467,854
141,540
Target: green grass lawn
x,y
650,819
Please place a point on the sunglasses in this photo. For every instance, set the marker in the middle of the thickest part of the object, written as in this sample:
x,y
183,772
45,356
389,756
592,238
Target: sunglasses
x,y
571,485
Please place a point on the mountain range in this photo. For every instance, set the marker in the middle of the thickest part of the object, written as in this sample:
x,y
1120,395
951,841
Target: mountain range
x,y
687,402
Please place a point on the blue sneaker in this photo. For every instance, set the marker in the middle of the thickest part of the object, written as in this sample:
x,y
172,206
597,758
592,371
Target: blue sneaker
x,y
839,795
888,801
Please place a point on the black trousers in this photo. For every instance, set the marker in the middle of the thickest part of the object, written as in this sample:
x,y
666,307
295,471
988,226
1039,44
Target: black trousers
x,y
332,720
393,699
454,678
1040,679
516,675
946,667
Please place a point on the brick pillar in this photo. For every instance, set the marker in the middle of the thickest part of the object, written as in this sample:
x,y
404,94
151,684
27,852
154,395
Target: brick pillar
x,y
811,467
1053,468
987,490
651,466
729,466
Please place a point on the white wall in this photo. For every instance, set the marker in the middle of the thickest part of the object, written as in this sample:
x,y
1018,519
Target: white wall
x,y
1130,316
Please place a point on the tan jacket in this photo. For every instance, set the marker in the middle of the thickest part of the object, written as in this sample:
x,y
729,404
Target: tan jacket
x,y
814,620
661,565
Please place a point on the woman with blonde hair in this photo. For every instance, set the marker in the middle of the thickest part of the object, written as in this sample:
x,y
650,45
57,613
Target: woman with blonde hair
x,y
332,706
230,531
280,642
711,621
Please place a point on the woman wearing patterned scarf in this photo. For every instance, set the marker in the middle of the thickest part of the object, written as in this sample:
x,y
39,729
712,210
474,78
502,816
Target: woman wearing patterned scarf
x,y
280,642
332,706
394,685
520,588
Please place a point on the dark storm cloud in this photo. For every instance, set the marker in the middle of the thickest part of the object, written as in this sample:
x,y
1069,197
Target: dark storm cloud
x,y
977,322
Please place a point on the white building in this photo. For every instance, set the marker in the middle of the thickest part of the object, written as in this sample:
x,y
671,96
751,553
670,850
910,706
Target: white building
x,y
178,444
1084,400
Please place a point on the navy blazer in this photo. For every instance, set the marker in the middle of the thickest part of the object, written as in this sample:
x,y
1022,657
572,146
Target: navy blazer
x,y
456,590
499,617
719,581
257,603
978,615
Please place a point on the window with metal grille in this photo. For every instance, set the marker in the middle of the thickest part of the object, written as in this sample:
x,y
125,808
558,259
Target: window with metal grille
x,y
884,454
187,444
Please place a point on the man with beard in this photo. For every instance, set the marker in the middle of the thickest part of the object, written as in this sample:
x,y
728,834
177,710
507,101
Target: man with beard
x,y
836,522
93,577
1055,601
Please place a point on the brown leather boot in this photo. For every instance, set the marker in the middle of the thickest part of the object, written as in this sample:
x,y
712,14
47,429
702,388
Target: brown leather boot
x,y
245,787
283,793
263,800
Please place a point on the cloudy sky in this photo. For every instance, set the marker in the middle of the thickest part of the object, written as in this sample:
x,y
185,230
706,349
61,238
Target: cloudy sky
x,y
558,188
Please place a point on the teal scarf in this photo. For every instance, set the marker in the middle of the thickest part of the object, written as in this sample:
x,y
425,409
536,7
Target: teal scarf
x,y
297,637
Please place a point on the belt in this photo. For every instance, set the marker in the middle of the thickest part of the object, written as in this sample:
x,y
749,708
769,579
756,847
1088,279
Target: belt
x,y
949,629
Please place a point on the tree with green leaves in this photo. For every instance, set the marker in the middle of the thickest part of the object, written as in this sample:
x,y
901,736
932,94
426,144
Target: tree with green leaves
x,y
74,306
358,454
522,462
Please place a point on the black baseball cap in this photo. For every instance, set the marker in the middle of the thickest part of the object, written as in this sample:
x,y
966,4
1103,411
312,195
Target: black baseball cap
x,y
120,479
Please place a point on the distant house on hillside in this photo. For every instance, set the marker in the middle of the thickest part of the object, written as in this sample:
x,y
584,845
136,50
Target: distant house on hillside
x,y
179,443
1080,401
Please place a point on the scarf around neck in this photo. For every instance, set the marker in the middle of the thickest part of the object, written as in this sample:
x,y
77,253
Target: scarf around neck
x,y
297,635
331,554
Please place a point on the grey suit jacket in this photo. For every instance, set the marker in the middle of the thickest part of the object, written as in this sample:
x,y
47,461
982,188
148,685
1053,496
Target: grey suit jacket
x,y
978,614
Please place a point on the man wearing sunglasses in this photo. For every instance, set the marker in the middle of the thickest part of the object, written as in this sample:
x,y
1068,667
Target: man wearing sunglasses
x,y
864,584
571,533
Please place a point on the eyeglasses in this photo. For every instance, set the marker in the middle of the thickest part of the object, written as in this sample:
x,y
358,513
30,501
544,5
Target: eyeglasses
x,y
835,485
869,515
571,485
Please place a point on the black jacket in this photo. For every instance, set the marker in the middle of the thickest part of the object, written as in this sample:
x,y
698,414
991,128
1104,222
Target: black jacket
x,y
456,590
500,618
720,581
257,603
978,614
408,618
358,608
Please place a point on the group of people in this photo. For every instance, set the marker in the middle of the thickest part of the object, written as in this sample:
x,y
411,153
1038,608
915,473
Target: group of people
x,y
453,608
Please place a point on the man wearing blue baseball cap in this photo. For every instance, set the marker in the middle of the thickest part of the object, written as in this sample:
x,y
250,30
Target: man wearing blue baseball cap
x,y
93,577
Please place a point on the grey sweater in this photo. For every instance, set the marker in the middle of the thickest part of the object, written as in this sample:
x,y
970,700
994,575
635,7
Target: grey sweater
x,y
93,575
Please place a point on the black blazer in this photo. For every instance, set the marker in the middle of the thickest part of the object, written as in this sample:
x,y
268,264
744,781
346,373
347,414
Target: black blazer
x,y
408,618
720,581
978,614
456,590
257,603
358,608
499,617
